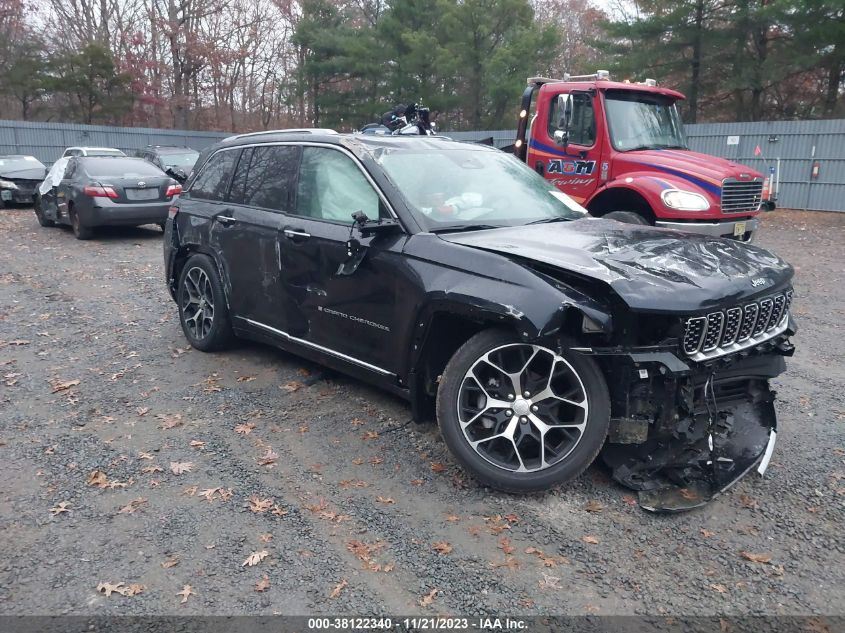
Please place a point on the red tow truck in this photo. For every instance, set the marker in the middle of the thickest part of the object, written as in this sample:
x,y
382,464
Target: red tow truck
x,y
619,149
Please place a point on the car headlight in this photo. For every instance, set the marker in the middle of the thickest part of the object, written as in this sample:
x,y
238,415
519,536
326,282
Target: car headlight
x,y
8,184
684,200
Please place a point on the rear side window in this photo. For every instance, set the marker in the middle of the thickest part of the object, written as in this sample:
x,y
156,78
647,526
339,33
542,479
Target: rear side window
x,y
212,183
269,180
332,187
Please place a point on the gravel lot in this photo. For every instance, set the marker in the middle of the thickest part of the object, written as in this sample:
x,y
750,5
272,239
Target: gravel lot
x,y
349,507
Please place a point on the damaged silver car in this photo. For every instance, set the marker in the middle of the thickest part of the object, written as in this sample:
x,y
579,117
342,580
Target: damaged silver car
x,y
453,275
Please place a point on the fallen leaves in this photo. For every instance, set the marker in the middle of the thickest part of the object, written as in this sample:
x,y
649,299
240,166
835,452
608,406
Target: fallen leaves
x,y
170,420
756,558
258,505
263,584
99,479
245,428
132,506
385,500
197,444
290,387
592,540
321,509
369,435
706,533
187,590
549,582
59,385
442,547
180,468
428,599
152,468
170,562
352,483
498,523
438,467
338,588
265,538
123,589
269,458
548,561
62,506
256,557
719,588
506,546
594,507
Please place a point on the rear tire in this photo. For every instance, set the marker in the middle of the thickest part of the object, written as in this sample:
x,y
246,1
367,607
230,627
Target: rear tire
x,y
516,442
39,213
629,217
203,312
79,230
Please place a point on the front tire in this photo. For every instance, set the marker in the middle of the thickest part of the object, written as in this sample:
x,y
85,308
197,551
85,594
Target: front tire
x,y
522,417
629,217
203,312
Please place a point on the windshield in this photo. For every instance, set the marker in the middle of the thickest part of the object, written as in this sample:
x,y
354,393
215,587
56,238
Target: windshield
x,y
184,161
11,164
643,121
120,168
460,189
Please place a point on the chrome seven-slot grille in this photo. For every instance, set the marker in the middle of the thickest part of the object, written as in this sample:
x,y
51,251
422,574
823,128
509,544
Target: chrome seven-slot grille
x,y
741,196
735,328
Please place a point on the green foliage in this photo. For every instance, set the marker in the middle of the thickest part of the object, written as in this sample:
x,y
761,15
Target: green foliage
x,y
94,89
26,79
465,59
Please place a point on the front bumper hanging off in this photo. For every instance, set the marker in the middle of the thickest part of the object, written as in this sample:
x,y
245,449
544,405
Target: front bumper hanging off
x,y
694,436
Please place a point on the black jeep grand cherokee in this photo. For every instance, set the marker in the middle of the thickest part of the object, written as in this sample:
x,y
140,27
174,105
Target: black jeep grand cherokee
x,y
453,275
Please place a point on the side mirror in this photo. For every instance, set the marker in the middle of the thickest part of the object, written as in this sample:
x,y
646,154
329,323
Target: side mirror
x,y
564,109
177,174
368,227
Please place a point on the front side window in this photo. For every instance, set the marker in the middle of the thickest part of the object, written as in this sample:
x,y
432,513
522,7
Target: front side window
x,y
213,181
643,121
454,189
332,187
582,126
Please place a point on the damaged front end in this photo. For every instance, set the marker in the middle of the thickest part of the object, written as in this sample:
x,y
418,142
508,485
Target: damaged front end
x,y
688,425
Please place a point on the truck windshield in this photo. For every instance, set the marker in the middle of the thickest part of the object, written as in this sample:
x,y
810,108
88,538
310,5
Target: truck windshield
x,y
643,121
462,189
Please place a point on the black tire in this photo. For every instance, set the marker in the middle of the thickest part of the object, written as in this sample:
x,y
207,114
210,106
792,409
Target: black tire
x,y
571,464
39,213
81,231
209,337
629,217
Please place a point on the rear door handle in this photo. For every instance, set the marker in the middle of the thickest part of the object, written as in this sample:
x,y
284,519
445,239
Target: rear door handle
x,y
294,234
225,220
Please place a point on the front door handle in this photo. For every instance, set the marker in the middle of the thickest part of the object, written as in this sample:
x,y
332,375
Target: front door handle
x,y
225,220
294,234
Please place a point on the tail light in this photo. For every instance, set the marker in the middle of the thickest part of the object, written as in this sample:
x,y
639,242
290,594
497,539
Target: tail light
x,y
99,191
765,193
173,190
172,211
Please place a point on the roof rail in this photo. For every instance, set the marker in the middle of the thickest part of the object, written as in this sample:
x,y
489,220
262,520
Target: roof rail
x,y
302,130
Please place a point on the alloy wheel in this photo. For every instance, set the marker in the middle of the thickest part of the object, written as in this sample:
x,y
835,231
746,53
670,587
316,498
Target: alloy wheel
x,y
198,303
522,407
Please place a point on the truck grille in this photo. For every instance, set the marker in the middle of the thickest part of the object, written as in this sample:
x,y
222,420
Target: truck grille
x,y
726,331
741,196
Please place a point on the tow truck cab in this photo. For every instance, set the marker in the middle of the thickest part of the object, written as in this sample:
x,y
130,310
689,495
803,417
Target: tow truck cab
x,y
619,148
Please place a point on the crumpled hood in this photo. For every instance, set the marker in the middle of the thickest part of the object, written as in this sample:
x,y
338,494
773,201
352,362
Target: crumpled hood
x,y
651,269
33,173
683,163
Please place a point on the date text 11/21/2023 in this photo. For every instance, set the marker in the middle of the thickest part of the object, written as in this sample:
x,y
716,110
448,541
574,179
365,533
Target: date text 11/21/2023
x,y
417,623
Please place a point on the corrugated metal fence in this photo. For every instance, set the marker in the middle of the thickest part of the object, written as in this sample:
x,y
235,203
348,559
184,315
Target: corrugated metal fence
x,y
47,141
808,156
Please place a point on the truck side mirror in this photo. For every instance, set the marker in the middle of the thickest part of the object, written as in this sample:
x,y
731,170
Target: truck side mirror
x,y
564,109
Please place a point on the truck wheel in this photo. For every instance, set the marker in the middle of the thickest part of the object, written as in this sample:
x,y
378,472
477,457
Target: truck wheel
x,y
519,416
203,312
629,217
